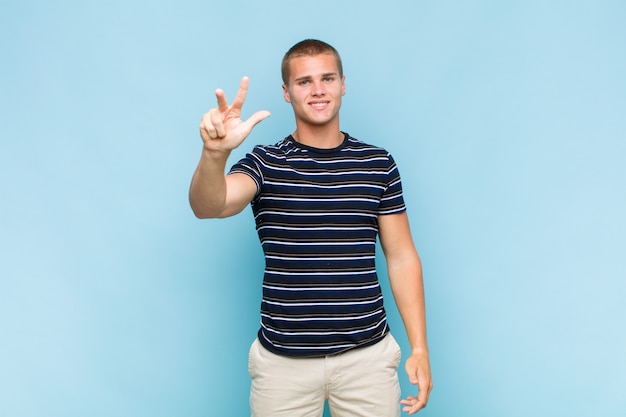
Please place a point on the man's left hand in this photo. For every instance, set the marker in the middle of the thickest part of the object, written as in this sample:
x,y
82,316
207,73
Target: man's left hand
x,y
418,369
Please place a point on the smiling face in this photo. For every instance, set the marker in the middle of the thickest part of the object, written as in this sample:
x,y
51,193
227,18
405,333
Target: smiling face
x,y
314,89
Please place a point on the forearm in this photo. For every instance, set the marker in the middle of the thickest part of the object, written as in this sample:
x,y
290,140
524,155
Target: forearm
x,y
207,193
405,276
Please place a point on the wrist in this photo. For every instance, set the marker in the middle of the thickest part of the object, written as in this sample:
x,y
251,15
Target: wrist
x,y
420,351
215,155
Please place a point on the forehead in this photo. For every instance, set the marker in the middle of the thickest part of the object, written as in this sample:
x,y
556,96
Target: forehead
x,y
311,66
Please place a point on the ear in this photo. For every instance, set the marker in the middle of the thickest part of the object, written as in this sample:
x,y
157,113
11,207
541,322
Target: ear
x,y
343,85
286,94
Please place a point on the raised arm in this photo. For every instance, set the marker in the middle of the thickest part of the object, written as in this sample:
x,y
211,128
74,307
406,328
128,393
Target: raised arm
x,y
405,275
212,194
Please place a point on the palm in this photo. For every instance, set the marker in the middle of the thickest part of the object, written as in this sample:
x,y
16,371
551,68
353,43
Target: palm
x,y
222,128
236,129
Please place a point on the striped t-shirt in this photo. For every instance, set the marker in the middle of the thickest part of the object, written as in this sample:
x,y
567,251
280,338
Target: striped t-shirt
x,y
316,215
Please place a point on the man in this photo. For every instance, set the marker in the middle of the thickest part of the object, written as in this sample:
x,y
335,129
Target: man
x,y
320,198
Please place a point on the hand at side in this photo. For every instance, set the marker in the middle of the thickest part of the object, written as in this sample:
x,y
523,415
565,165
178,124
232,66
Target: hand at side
x,y
418,369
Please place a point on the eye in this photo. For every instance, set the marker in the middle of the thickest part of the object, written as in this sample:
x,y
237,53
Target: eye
x,y
303,82
328,79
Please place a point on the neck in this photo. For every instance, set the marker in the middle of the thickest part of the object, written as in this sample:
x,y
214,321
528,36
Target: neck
x,y
321,137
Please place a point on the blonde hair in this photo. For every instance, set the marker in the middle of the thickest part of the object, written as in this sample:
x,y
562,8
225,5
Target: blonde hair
x,y
308,47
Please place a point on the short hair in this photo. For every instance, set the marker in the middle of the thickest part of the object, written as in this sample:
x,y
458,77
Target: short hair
x,y
308,47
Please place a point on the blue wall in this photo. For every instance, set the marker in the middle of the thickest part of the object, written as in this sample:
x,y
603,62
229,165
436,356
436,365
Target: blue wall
x,y
507,122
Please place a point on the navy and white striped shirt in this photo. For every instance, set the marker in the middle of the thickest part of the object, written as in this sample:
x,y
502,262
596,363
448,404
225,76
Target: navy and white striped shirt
x,y
316,215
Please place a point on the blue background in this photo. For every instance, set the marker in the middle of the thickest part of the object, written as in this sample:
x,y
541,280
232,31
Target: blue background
x,y
507,119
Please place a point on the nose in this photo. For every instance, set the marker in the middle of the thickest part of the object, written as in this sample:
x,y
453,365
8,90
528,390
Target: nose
x,y
318,89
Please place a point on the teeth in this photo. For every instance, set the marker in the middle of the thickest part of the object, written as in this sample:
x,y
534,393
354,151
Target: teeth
x,y
319,105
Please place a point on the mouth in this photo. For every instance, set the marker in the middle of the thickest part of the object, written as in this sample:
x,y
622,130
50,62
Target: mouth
x,y
319,105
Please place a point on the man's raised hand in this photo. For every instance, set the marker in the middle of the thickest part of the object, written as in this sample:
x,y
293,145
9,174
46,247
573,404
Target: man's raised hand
x,y
222,129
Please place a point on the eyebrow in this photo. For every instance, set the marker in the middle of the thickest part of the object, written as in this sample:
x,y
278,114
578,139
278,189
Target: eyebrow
x,y
306,77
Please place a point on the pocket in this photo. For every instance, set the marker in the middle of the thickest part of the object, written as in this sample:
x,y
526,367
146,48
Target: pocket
x,y
395,351
252,357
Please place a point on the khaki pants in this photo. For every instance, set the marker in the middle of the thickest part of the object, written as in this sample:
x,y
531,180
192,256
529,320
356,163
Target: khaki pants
x,y
358,383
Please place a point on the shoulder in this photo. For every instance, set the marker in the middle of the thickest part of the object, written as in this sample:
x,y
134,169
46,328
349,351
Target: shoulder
x,y
277,150
362,149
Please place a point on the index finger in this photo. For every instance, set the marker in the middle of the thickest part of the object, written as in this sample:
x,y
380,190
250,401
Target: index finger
x,y
241,94
222,103
424,387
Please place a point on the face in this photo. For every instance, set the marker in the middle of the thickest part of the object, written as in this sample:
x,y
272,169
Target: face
x,y
314,89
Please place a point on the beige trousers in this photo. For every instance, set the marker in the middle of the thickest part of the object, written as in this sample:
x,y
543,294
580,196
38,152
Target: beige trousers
x,y
358,383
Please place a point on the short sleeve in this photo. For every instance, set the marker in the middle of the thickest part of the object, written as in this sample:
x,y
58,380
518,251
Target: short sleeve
x,y
250,166
392,201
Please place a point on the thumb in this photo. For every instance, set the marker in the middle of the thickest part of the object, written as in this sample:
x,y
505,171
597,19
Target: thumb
x,y
255,119
412,373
